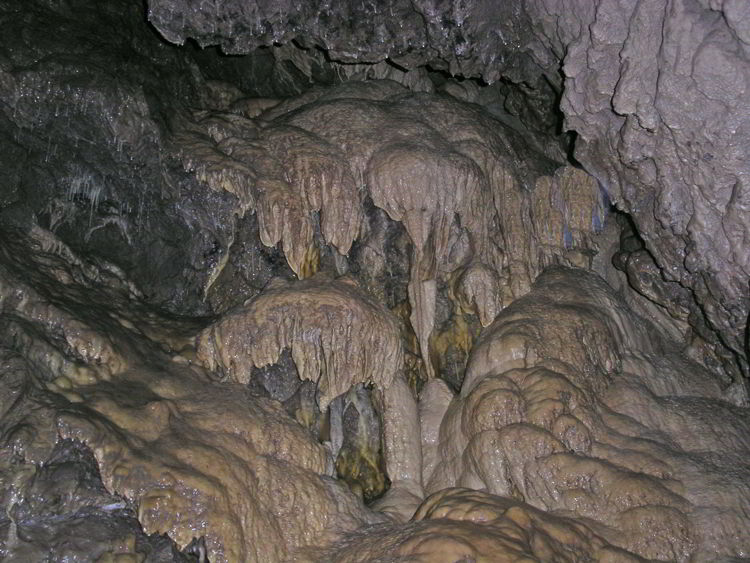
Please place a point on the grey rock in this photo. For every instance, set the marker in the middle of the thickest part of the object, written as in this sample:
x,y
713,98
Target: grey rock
x,y
66,514
90,201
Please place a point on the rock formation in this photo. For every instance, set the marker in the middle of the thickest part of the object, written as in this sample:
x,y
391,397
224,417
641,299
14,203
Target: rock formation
x,y
382,281
654,91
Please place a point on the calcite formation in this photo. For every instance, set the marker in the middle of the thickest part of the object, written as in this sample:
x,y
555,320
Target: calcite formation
x,y
462,524
193,460
436,166
395,281
654,91
199,461
338,337
570,403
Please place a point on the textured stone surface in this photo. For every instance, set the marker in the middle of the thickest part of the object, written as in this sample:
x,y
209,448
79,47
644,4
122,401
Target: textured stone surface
x,y
238,295
337,336
656,92
663,118
231,467
178,453
66,513
572,403
474,198
82,129
123,422
465,525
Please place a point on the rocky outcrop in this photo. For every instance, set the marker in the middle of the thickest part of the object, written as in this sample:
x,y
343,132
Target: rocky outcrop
x,y
665,130
337,336
239,296
89,201
172,451
200,460
64,511
460,524
472,200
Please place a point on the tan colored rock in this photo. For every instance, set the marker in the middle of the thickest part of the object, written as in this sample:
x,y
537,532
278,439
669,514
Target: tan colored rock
x,y
572,403
440,167
461,524
201,459
433,402
254,107
479,291
71,349
337,336
193,456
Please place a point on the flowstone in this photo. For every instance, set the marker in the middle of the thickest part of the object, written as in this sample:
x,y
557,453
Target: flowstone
x,y
575,405
239,296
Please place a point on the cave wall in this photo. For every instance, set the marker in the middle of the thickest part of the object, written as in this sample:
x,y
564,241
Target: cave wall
x,y
656,93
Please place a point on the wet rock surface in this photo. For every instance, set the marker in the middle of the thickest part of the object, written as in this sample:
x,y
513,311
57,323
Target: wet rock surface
x,y
586,426
356,294
654,91
66,513
86,180
465,525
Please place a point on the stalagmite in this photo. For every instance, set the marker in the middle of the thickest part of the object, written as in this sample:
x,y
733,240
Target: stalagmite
x,y
403,452
555,411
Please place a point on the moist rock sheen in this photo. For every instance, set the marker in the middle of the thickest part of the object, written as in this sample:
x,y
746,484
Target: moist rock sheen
x,y
655,91
476,201
166,239
572,403
574,440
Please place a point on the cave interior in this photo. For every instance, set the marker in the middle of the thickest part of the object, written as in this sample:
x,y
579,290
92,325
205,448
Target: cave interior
x,y
375,281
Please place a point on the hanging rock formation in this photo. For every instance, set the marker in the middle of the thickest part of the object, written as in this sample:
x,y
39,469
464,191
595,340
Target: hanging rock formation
x,y
655,92
338,337
462,192
397,280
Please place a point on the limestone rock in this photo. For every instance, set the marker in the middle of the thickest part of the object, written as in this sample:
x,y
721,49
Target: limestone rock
x,y
562,407
337,336
461,524
201,460
461,185
654,91
372,195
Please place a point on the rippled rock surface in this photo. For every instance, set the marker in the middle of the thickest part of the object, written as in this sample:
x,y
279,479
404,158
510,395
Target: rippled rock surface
x,y
356,295
655,92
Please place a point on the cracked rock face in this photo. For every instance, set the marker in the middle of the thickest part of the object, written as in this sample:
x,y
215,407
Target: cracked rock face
x,y
395,281
675,134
